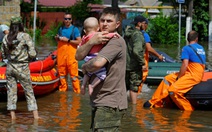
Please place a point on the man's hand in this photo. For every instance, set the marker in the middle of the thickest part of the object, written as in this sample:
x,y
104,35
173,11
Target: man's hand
x,y
144,68
57,37
117,35
110,36
63,39
161,58
99,37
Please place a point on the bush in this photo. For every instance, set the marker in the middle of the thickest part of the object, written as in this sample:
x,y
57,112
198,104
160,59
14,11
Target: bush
x,y
78,10
38,34
164,30
53,30
201,19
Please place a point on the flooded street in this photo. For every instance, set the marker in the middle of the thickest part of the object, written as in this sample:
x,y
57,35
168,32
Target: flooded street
x,y
67,111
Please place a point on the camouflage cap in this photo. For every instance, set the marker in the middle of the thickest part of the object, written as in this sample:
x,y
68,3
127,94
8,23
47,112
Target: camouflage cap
x,y
17,19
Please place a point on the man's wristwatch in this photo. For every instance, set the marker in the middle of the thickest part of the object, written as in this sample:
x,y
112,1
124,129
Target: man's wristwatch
x,y
69,41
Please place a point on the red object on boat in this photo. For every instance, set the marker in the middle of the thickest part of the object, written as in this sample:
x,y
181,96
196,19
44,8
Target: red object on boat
x,y
44,76
43,65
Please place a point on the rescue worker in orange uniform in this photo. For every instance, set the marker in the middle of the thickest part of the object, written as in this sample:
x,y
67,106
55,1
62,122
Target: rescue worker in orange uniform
x,y
176,85
149,49
68,39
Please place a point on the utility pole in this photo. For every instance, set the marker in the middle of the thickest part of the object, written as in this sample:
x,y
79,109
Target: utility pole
x,y
189,18
180,2
34,22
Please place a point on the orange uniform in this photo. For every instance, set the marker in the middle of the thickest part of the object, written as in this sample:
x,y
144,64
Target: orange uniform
x,y
177,89
145,72
175,85
69,37
67,63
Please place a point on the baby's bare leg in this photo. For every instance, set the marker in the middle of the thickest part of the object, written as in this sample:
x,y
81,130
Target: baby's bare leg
x,y
94,83
84,82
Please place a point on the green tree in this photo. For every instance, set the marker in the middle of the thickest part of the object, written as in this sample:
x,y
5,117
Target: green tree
x,y
78,10
79,13
164,30
26,7
201,18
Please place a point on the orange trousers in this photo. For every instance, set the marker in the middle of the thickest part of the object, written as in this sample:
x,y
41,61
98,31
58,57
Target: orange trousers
x,y
176,89
67,63
145,72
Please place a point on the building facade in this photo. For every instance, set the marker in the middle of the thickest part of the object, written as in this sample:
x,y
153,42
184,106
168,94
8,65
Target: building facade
x,y
9,8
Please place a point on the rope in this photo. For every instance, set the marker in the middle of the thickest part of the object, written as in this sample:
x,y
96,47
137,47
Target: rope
x,y
40,72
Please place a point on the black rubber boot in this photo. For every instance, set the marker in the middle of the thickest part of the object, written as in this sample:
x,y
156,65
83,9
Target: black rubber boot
x,y
147,104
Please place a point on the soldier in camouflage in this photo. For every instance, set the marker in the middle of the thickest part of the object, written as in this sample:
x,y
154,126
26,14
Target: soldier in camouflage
x,y
135,56
18,49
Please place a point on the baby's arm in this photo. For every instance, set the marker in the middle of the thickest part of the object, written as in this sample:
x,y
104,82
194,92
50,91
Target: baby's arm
x,y
111,35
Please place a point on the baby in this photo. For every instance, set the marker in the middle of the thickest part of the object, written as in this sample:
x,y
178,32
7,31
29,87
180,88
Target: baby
x,y
91,26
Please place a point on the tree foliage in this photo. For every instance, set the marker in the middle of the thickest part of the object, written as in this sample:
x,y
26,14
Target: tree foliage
x,y
164,30
80,9
201,18
26,7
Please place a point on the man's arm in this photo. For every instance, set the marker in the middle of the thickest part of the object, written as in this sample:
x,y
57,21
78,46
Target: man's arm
x,y
94,64
152,51
77,41
138,48
183,68
74,42
83,50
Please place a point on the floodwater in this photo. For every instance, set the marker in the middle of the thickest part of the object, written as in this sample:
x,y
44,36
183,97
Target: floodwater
x,y
67,111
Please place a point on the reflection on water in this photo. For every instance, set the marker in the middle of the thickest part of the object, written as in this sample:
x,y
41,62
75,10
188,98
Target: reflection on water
x,y
67,111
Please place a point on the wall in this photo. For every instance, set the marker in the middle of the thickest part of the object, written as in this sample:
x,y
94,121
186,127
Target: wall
x,y
8,9
50,18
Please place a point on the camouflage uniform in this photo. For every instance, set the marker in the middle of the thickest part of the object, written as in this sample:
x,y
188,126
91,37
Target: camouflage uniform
x,y
18,69
106,119
135,57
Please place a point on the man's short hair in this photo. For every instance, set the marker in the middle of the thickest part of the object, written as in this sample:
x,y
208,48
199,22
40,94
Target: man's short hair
x,y
192,35
112,10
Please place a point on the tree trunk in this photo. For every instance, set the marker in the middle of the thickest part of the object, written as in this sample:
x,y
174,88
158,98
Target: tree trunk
x,y
190,8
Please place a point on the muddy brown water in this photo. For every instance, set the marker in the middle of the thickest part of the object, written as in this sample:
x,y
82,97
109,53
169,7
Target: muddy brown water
x,y
67,111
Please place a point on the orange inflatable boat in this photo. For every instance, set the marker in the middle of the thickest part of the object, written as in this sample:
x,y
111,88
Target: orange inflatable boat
x,y
44,77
